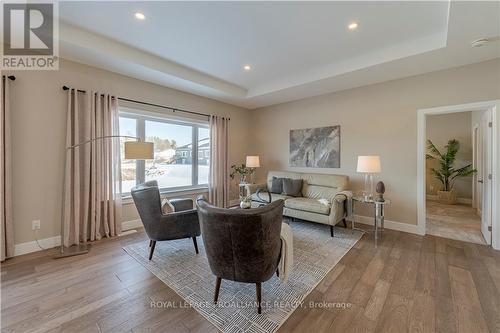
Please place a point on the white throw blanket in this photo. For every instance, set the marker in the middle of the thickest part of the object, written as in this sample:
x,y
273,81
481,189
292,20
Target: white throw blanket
x,y
286,260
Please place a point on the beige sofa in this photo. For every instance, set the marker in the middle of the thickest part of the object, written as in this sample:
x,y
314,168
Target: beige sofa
x,y
321,199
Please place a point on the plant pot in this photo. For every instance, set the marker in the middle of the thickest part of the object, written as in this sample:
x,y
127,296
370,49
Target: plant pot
x,y
447,197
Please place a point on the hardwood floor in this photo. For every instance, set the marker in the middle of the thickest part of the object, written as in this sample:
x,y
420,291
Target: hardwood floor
x,y
409,283
460,222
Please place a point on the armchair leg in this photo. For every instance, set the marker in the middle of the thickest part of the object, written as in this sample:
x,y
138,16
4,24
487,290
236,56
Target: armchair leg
x,y
345,223
152,249
331,230
278,272
150,243
259,297
217,288
195,245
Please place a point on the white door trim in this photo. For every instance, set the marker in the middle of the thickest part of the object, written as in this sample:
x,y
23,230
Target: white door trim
x,y
475,137
494,106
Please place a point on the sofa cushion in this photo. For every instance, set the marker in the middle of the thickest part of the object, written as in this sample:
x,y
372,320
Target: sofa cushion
x,y
315,185
276,185
292,187
281,174
319,192
308,205
274,196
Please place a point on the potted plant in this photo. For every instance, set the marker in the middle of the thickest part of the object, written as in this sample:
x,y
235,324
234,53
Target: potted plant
x,y
447,174
243,171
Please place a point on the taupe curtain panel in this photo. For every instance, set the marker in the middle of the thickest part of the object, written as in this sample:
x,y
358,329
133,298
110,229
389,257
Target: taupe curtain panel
x,y
218,180
7,226
92,194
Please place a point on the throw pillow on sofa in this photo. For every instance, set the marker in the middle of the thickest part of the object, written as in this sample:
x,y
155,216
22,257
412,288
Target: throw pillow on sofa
x,y
292,187
276,185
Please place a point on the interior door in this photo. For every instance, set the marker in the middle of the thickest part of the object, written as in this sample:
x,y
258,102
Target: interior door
x,y
487,136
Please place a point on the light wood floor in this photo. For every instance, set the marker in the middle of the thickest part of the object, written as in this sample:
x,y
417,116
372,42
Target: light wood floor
x,y
459,222
409,283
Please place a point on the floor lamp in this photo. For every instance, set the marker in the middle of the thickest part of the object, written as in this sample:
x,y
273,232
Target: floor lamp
x,y
134,150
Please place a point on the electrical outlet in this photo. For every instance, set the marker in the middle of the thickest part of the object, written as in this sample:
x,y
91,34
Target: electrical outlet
x,y
35,225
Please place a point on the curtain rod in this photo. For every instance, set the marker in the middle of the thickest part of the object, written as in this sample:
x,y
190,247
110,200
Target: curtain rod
x,y
12,77
152,104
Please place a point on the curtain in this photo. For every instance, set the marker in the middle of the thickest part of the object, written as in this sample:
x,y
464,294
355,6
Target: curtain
x,y
7,227
219,162
92,191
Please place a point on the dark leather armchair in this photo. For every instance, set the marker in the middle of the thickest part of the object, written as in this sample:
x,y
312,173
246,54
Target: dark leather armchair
x,y
242,245
183,223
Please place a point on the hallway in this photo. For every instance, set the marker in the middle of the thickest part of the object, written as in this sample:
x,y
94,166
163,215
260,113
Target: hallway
x,y
459,222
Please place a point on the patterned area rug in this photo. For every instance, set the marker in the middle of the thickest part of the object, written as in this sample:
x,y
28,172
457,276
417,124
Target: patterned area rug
x,y
177,265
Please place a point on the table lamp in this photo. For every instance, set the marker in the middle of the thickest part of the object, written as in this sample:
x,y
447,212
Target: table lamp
x,y
252,162
368,165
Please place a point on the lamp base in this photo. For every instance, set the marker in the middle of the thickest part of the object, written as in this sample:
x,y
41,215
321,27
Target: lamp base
x,y
368,192
74,250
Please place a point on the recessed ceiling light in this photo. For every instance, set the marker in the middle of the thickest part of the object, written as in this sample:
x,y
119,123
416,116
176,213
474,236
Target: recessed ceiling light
x,y
352,26
140,16
247,67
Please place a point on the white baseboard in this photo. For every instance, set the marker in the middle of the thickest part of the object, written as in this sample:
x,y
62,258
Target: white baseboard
x,y
399,226
48,243
465,201
133,224
28,247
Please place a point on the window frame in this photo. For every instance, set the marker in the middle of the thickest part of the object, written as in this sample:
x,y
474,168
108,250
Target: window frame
x,y
140,171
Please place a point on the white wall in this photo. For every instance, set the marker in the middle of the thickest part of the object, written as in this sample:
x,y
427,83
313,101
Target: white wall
x,y
38,128
377,119
440,129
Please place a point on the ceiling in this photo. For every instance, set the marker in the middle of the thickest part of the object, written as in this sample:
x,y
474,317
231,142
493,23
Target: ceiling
x,y
295,49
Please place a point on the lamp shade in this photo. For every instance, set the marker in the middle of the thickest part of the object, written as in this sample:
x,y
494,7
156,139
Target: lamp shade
x,y
252,162
369,164
139,150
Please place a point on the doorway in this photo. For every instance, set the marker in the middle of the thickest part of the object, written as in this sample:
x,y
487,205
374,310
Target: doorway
x,y
472,216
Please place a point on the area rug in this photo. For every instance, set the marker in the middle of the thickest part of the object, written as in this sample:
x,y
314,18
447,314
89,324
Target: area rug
x,y
177,265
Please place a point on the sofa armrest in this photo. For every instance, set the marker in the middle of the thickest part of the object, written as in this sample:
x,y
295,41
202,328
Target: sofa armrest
x,y
252,188
338,208
340,198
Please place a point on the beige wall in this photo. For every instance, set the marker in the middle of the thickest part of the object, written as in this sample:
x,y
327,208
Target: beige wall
x,y
38,127
442,128
377,119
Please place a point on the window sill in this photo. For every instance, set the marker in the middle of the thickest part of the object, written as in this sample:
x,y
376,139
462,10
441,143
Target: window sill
x,y
127,200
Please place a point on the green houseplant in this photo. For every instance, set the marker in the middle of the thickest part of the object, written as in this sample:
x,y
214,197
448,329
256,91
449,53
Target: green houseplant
x,y
243,171
446,173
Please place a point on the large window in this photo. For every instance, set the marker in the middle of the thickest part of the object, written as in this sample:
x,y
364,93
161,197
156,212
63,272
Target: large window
x,y
181,152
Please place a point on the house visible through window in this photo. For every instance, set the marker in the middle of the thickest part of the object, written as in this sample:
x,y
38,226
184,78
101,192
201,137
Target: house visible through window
x,y
175,144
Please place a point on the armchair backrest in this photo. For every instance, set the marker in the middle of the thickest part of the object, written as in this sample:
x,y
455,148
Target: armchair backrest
x,y
148,202
242,244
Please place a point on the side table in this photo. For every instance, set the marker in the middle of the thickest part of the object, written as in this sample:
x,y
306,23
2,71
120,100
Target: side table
x,y
379,212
